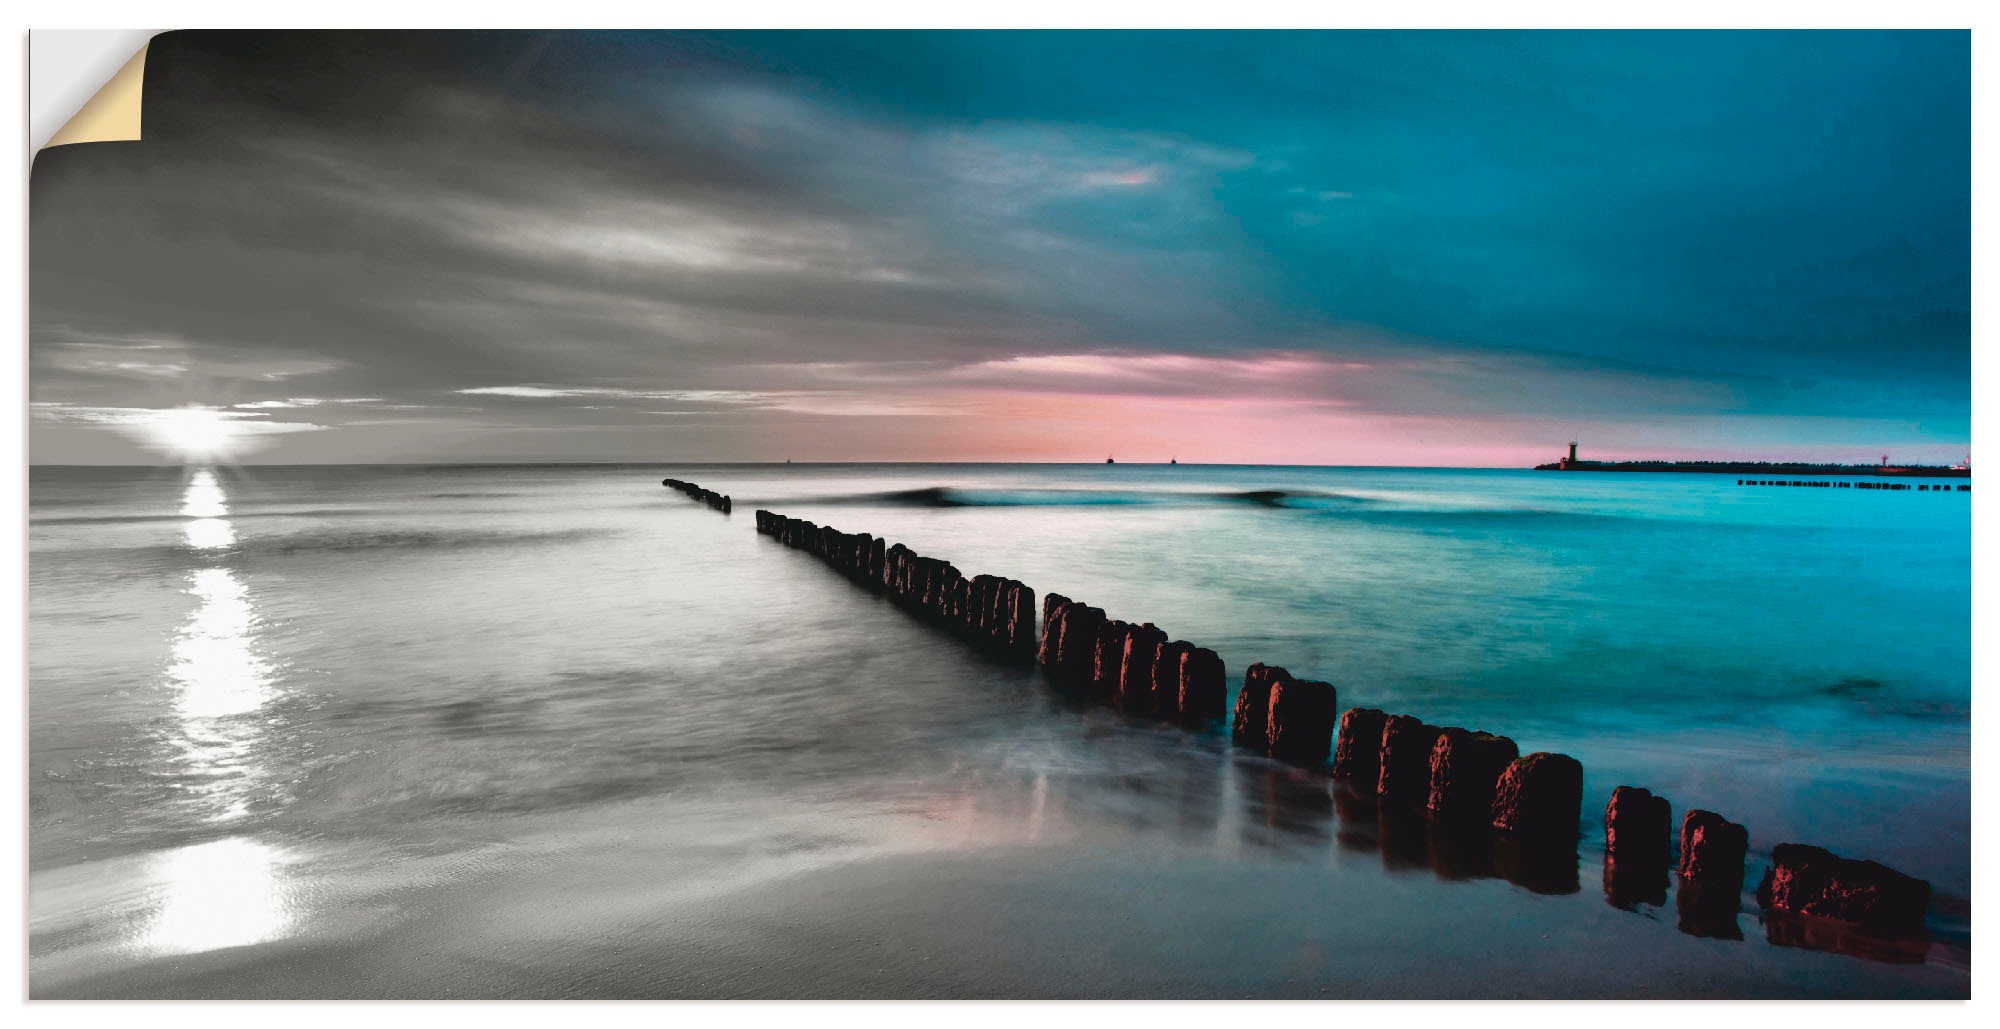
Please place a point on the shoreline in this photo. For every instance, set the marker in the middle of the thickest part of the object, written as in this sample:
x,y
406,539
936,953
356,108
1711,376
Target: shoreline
x,y
1253,888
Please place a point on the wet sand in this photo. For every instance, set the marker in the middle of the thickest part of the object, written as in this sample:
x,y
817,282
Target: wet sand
x,y
1254,889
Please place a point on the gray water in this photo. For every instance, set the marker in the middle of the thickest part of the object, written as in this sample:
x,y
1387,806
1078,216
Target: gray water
x,y
558,731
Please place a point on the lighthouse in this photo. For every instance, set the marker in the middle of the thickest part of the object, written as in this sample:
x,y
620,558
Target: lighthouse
x,y
1569,462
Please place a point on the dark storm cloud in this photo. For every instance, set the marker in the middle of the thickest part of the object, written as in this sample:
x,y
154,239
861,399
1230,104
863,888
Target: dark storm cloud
x,y
524,237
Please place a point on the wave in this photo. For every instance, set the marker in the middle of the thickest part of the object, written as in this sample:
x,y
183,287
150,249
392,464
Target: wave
x,y
1879,699
939,496
1413,510
953,496
931,496
1297,498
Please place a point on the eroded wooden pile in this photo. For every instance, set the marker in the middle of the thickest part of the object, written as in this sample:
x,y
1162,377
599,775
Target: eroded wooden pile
x,y
997,615
694,492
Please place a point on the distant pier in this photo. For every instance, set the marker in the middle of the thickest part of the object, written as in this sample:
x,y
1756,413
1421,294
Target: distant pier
x,y
1921,487
1763,470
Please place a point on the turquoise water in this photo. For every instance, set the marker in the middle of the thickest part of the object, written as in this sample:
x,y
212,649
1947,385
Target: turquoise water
x,y
278,707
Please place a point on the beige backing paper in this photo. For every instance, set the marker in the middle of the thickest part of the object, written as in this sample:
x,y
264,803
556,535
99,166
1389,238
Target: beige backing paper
x,y
113,113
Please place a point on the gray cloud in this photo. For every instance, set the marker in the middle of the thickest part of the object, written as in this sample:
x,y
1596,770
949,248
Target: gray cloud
x,y
512,256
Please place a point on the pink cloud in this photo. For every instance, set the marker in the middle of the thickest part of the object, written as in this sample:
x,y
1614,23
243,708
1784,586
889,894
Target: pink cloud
x,y
1295,374
1006,425
1125,178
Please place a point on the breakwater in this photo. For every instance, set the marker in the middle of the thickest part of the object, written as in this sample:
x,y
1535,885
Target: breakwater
x,y
994,614
1759,468
1921,487
1469,798
694,492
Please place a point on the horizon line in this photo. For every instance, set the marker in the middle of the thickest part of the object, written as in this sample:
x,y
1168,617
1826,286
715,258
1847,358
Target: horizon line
x,y
778,464
1080,464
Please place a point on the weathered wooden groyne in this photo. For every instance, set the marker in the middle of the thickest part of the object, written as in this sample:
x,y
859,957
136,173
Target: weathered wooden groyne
x,y
1468,797
997,615
1135,668
694,492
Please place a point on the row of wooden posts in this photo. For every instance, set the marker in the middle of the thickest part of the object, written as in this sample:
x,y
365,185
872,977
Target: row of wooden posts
x,y
997,615
694,492
1473,786
1457,778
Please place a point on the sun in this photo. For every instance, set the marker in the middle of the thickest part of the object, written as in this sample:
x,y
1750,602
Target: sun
x,y
193,433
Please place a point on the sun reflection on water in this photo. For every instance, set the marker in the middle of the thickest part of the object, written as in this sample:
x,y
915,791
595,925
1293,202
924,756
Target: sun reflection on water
x,y
215,665
228,892
216,671
204,497
207,507
210,534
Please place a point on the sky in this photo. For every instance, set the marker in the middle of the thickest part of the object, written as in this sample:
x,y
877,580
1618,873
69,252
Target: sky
x,y
1361,248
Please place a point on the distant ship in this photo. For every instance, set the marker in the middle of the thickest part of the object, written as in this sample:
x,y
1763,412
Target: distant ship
x,y
1109,461
1173,460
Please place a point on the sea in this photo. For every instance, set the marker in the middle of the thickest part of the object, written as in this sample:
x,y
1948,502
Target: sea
x,y
557,731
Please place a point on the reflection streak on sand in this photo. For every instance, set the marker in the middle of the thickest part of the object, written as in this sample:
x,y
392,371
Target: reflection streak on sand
x,y
225,893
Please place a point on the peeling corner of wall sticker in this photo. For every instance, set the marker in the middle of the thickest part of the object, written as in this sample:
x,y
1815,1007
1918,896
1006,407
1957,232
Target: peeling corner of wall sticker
x,y
112,112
